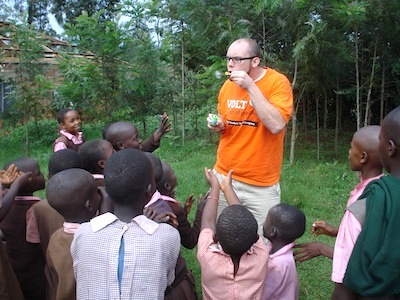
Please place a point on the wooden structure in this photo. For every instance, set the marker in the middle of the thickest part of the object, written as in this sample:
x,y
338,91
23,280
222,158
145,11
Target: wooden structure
x,y
53,50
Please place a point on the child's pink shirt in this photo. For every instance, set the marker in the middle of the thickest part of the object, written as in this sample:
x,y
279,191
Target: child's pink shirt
x,y
217,277
348,232
281,281
76,139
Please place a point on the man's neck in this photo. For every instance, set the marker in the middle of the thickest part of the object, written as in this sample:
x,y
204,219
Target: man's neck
x,y
257,73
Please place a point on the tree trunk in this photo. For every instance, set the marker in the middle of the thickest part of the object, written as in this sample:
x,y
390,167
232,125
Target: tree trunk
x,y
382,92
371,83
358,100
325,109
183,84
294,117
317,121
337,118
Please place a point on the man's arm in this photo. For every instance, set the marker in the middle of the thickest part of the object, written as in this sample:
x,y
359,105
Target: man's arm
x,y
266,111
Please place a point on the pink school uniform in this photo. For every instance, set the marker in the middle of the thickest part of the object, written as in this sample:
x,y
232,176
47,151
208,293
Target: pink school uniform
x,y
68,140
281,281
349,230
217,267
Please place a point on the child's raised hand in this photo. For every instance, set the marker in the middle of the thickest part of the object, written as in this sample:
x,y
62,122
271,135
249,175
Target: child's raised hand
x,y
189,203
226,183
211,178
7,177
164,127
322,227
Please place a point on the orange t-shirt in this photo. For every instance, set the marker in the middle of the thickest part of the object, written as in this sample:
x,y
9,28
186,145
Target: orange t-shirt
x,y
247,146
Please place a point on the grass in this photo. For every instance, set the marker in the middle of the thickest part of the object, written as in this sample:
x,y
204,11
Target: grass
x,y
320,188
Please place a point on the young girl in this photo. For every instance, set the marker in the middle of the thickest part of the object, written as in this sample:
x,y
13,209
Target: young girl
x,y
70,135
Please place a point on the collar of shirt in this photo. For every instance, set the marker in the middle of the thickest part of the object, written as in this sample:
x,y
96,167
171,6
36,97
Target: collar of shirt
x,y
98,176
154,198
27,198
217,248
167,198
105,219
70,227
281,251
76,139
365,182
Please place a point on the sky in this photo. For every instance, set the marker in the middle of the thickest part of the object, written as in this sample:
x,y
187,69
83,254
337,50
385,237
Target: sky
x,y
54,24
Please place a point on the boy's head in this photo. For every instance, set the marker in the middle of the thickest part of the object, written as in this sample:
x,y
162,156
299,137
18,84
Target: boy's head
x,y
94,155
157,166
62,160
69,120
27,164
389,141
74,194
123,135
129,179
168,182
363,152
236,229
285,223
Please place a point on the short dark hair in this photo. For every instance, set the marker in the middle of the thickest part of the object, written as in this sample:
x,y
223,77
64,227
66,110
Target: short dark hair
x,y
91,152
392,126
104,130
61,113
127,174
62,160
116,131
236,229
157,166
23,164
62,189
289,221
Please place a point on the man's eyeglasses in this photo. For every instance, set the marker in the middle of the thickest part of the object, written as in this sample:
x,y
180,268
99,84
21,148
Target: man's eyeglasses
x,y
238,60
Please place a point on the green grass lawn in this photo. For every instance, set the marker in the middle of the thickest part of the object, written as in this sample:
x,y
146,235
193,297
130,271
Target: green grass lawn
x,y
319,188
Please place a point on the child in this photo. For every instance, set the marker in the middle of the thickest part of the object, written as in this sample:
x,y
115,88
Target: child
x,y
232,257
70,135
139,257
283,225
41,219
9,286
125,135
26,258
183,287
74,194
94,155
373,268
167,186
363,158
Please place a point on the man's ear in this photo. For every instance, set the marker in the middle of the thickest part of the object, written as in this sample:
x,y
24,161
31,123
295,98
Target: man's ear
x,y
392,148
255,62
